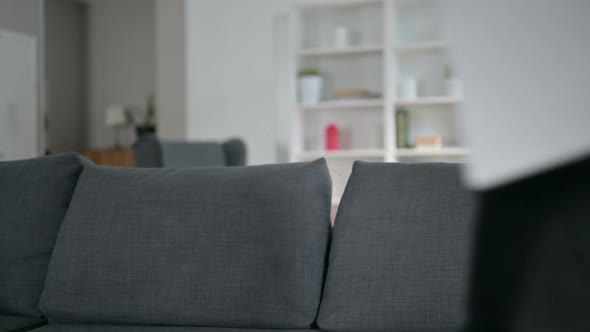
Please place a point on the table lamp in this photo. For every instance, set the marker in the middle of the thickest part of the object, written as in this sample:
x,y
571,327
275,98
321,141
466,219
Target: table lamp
x,y
117,118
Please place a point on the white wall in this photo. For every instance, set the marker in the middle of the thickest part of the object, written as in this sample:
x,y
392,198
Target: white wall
x,y
121,60
65,63
26,16
21,16
230,73
231,82
18,96
171,67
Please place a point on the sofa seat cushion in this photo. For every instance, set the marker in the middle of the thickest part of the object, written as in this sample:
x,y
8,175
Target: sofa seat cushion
x,y
9,323
34,197
237,247
399,250
138,328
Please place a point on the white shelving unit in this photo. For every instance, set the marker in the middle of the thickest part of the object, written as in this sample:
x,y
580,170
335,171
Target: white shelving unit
x,y
345,104
390,40
444,152
428,101
433,45
341,51
344,154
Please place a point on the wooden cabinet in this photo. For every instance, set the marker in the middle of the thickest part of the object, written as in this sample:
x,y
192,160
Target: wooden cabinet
x,y
113,157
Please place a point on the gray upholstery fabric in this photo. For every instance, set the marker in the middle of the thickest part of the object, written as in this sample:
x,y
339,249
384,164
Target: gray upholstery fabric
x,y
399,250
235,152
124,328
232,247
10,323
34,197
147,151
192,154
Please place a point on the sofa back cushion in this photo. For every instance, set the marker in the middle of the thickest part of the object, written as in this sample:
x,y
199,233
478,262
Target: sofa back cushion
x,y
399,250
192,154
34,197
231,247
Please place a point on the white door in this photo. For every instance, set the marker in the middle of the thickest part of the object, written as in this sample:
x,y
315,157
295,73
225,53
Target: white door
x,y
19,121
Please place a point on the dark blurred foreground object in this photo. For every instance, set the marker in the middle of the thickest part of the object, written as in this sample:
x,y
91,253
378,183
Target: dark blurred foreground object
x,y
150,151
532,269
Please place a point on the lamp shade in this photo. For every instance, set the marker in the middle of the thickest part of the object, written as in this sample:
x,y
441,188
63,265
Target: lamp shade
x,y
115,116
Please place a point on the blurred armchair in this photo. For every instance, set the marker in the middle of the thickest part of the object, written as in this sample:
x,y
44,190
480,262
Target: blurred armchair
x,y
150,151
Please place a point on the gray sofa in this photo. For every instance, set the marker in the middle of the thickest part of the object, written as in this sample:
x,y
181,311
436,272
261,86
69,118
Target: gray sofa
x,y
99,249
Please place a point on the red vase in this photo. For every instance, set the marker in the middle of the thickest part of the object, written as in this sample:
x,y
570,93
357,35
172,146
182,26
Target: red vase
x,y
332,137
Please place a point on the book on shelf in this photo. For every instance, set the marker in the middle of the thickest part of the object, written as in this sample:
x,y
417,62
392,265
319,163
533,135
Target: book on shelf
x,y
402,128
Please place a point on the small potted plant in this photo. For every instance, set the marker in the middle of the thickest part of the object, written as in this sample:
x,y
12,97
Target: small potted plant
x,y
310,86
149,122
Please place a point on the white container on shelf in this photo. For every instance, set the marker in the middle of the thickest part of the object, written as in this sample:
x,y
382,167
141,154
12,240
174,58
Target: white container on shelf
x,y
341,38
408,89
454,87
310,88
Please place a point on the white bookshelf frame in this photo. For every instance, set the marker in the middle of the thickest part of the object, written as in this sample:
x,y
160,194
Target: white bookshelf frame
x,y
390,49
340,51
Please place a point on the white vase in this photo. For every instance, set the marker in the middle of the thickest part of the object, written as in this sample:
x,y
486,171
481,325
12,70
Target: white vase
x,y
311,89
408,89
454,88
341,37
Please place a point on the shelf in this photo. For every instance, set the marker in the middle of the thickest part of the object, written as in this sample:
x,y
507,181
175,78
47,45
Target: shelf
x,y
444,152
340,51
345,104
314,5
429,101
409,2
426,46
379,153
344,154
